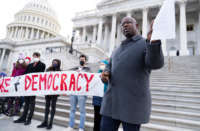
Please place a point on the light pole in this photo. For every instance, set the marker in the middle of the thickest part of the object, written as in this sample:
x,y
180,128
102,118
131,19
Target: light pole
x,y
72,40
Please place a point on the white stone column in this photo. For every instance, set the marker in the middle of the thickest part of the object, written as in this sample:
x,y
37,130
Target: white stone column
x,y
10,64
129,14
105,43
119,34
42,36
16,30
113,32
32,33
38,33
11,32
198,34
183,32
145,22
84,35
27,33
94,34
100,28
2,57
20,33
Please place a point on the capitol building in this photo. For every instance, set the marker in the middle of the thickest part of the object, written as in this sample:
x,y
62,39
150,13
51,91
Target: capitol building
x,y
100,27
35,28
98,31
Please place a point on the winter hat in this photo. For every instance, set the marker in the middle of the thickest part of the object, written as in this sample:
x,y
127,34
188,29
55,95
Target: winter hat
x,y
105,62
21,56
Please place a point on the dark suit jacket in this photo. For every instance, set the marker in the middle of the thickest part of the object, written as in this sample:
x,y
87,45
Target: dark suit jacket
x,y
128,97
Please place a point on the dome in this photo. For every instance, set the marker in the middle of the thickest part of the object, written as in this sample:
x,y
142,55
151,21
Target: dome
x,y
35,21
41,6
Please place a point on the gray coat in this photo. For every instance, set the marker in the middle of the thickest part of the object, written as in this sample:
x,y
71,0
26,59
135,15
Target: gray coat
x,y
128,97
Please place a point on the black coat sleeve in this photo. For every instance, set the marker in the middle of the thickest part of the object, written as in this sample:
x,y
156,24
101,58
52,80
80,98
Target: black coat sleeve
x,y
154,58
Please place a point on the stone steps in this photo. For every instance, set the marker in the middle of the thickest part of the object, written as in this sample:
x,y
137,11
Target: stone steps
x,y
175,99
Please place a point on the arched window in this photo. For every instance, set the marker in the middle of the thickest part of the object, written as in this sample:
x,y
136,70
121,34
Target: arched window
x,y
42,22
24,18
29,17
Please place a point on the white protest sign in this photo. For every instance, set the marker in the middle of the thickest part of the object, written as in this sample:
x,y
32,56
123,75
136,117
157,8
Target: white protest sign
x,y
164,26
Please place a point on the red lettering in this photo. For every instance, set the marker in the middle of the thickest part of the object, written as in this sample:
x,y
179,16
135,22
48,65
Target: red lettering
x,y
43,79
72,82
7,83
63,83
50,79
78,88
34,82
54,78
1,85
27,85
88,81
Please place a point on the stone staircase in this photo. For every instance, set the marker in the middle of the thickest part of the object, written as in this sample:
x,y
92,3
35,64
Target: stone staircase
x,y
175,99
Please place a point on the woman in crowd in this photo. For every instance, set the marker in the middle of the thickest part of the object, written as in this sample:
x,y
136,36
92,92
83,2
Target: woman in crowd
x,y
19,68
50,99
97,100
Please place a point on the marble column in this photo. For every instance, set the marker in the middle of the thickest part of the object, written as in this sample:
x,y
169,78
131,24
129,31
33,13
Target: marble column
x,y
16,30
84,35
100,29
94,34
38,33
145,22
105,43
32,33
119,34
27,33
183,32
198,34
113,32
129,14
42,36
2,57
11,32
20,33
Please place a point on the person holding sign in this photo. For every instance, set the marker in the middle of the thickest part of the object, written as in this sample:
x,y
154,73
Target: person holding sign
x,y
80,100
128,98
35,67
18,70
50,99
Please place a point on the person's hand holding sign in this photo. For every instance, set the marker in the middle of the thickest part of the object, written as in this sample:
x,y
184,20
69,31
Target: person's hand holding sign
x,y
150,33
105,76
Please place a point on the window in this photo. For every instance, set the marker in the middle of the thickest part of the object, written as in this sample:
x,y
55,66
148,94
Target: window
x,y
24,18
190,27
42,21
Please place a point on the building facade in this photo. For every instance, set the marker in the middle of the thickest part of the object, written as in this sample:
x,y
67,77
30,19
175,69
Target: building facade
x,y
101,27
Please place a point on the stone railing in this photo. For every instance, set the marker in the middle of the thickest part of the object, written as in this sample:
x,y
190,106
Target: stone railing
x,y
86,13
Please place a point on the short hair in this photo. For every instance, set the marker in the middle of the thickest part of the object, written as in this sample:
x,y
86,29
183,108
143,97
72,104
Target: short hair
x,y
36,54
81,56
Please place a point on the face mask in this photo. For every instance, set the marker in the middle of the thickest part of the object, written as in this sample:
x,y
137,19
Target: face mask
x,y
36,59
102,67
82,63
27,61
21,61
55,65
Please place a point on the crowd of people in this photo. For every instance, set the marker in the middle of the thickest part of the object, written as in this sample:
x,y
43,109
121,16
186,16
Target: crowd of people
x,y
126,76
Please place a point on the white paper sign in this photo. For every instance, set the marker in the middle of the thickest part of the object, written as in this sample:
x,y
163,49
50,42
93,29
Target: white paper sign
x,y
164,26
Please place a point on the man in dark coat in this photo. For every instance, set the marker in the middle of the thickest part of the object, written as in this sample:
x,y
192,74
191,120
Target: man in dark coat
x,y
35,67
128,98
